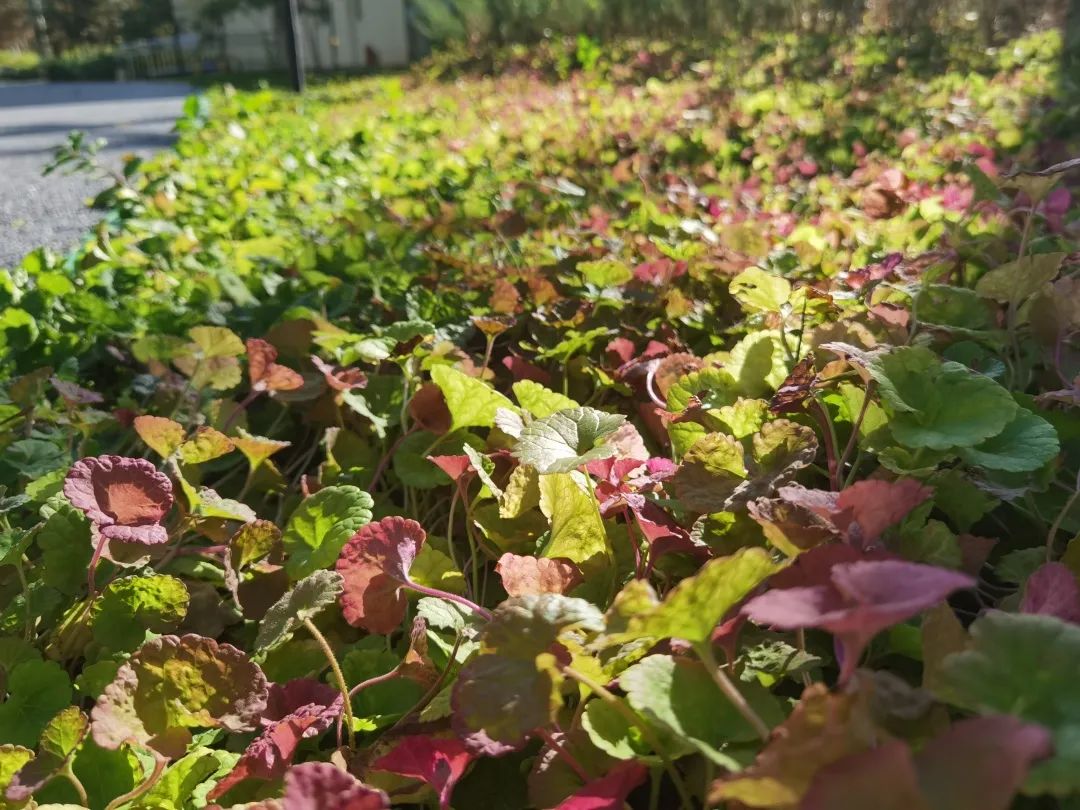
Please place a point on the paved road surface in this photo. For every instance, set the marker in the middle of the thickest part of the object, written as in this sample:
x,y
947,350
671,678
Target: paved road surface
x,y
36,117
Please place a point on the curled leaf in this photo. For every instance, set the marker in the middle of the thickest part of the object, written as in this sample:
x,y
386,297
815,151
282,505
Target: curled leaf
x,y
126,498
264,373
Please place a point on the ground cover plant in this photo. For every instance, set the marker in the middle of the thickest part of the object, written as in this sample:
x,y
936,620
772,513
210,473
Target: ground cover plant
x,y
640,428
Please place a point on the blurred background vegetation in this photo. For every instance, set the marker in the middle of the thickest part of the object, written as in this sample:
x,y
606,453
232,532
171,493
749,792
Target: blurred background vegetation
x,y
504,21
81,33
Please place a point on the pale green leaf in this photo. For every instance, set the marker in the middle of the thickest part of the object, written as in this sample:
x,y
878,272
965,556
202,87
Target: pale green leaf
x,y
472,402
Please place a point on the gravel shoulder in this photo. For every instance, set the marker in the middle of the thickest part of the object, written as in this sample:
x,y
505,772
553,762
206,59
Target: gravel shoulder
x,y
35,117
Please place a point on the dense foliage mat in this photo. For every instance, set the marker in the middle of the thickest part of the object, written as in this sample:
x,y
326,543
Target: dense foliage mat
x,y
675,432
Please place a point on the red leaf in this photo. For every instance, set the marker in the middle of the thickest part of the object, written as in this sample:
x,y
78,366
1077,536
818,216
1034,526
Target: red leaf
x,y
126,498
883,778
340,379
375,563
75,394
526,576
504,297
428,409
300,709
858,601
977,764
868,508
453,466
863,511
521,369
1052,590
440,762
322,786
980,763
609,792
264,373
796,388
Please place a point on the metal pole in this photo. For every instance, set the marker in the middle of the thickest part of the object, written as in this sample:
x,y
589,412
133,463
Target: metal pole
x,y
293,44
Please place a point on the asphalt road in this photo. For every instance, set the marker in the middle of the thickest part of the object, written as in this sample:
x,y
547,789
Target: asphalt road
x,y
36,117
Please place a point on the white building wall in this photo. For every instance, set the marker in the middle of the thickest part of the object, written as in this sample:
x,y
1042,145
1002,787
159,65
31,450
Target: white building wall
x,y
342,41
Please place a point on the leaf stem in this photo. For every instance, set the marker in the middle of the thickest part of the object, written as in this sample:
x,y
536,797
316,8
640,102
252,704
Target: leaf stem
x,y
1052,534
384,462
856,427
452,597
159,768
336,667
634,719
69,774
828,432
800,640
28,627
91,570
731,692
239,409
450,530
565,755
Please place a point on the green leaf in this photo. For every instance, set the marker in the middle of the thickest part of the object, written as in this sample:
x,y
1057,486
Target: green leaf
x,y
932,543
758,363
37,690
320,527
541,401
758,291
106,774
433,569
415,469
605,273
744,417
525,626
305,600
34,458
252,542
505,698
131,606
1024,665
939,405
710,472
715,387
566,440
66,548
577,530
208,685
186,782
694,607
679,695
59,742
1026,443
610,731
961,501
472,402
13,543
1013,282
12,759
64,733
